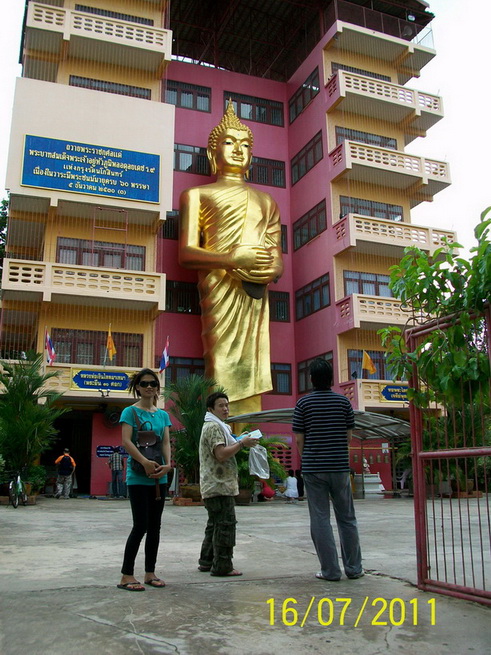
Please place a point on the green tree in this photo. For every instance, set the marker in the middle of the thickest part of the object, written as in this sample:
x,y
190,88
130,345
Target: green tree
x,y
451,293
27,411
187,398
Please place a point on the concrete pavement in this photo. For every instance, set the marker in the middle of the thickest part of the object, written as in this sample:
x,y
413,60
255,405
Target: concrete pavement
x,y
60,562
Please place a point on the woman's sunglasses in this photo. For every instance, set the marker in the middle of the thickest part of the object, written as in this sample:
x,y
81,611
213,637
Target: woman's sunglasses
x,y
150,383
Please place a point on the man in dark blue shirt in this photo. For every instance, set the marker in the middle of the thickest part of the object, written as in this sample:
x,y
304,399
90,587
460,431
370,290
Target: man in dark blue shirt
x,y
323,423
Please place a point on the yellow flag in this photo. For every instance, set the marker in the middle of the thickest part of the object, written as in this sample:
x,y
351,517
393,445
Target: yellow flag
x,y
111,348
367,363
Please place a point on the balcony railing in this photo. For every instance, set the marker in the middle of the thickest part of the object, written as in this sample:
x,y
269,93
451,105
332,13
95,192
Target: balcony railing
x,y
67,24
369,312
375,235
368,395
27,280
420,177
413,110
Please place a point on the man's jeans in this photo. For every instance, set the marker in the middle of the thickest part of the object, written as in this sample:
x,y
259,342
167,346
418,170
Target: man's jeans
x,y
117,483
320,488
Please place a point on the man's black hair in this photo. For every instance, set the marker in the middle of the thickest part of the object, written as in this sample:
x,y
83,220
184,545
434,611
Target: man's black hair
x,y
321,374
213,397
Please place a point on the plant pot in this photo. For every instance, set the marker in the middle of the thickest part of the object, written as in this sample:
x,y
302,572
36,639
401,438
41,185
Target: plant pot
x,y
244,497
192,491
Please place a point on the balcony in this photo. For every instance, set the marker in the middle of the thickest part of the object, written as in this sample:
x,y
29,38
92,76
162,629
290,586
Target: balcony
x,y
25,280
368,312
370,395
414,112
394,44
420,178
377,236
55,32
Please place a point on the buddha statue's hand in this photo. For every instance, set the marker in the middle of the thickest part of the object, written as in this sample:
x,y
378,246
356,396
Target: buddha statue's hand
x,y
250,258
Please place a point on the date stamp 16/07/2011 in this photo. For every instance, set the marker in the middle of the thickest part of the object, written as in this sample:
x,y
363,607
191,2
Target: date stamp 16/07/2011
x,y
344,612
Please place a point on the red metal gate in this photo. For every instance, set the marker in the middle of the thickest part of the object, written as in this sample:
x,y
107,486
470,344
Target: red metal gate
x,y
451,447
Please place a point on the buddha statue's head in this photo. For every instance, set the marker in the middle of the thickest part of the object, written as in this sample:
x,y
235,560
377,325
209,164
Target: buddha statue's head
x,y
230,144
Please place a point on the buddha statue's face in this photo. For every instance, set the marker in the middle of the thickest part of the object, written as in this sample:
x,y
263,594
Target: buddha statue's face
x,y
233,152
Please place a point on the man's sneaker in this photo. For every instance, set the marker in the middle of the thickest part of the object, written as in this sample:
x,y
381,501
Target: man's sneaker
x,y
355,576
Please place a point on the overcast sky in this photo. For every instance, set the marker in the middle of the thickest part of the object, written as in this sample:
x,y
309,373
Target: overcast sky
x,y
459,73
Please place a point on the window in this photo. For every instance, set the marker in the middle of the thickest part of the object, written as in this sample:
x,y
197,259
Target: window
x,y
383,372
114,14
312,297
182,367
110,87
370,284
284,239
188,96
279,306
309,225
301,98
370,208
191,159
343,133
251,108
268,171
88,347
182,298
281,375
307,158
170,229
82,252
358,71
304,383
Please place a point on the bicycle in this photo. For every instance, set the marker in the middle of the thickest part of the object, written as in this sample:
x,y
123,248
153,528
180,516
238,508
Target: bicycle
x,y
17,490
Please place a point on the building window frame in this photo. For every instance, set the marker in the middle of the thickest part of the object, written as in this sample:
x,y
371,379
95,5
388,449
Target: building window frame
x,y
170,228
88,347
270,172
376,140
182,367
310,225
258,110
375,209
335,67
191,159
304,383
281,376
182,298
368,284
312,297
304,95
279,306
188,96
83,252
305,160
110,87
128,18
379,359
284,239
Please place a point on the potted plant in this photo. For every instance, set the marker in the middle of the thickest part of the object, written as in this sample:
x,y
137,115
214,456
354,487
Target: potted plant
x,y
187,398
27,412
246,480
36,477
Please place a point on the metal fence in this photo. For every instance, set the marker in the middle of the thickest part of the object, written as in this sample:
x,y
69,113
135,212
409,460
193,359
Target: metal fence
x,y
451,450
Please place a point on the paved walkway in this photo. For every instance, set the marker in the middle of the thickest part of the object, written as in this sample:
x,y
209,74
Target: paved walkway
x,y
60,561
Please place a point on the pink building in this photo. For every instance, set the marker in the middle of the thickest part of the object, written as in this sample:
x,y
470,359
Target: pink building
x,y
327,89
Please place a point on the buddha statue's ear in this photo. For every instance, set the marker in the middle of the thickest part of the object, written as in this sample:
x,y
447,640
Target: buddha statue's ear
x,y
211,154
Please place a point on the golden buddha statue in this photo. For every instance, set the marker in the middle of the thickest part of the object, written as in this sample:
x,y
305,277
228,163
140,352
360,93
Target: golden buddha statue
x,y
231,233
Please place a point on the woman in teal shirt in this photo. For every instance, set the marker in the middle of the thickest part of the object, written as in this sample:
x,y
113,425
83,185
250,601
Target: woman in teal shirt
x,y
146,510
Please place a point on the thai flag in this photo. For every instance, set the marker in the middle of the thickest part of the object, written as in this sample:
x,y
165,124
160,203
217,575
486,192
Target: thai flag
x,y
164,360
50,350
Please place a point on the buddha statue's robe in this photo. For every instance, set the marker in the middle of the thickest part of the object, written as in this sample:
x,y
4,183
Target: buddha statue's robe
x,y
235,326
